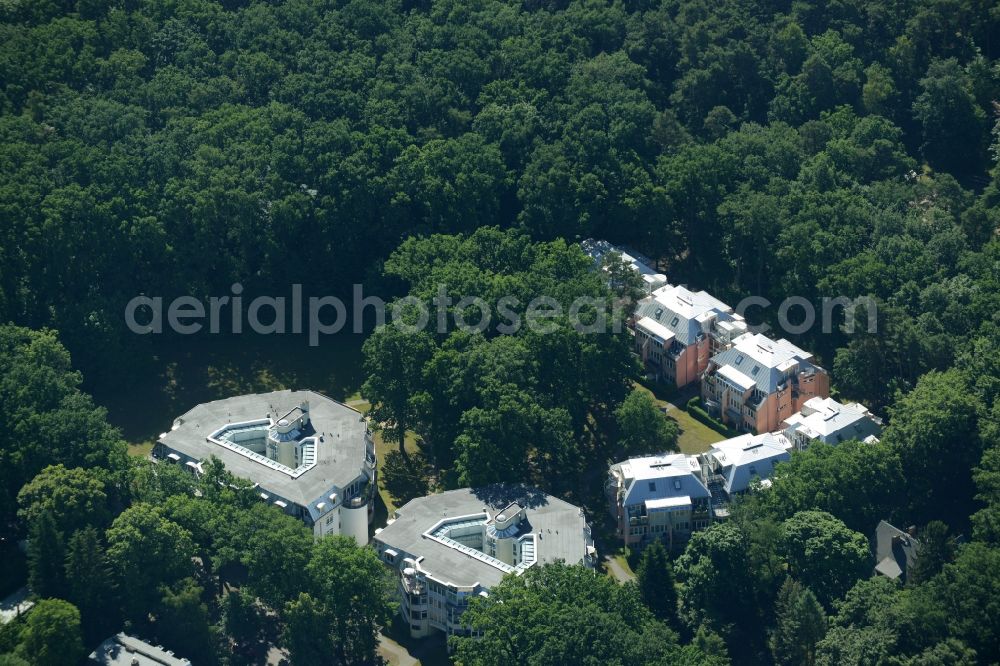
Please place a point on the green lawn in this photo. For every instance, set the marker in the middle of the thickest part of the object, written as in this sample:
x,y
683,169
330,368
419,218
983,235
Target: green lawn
x,y
622,561
140,449
695,437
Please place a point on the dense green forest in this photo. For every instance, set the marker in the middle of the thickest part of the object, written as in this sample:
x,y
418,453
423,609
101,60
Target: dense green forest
x,y
772,148
751,148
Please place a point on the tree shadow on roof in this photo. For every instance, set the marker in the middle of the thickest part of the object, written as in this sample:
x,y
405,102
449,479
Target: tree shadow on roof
x,y
501,494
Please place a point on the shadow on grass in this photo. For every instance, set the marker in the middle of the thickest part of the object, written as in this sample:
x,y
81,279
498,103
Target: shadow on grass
x,y
189,370
380,516
430,651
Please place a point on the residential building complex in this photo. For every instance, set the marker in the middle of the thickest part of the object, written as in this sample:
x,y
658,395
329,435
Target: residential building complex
x,y
658,497
677,331
759,382
668,497
831,422
453,546
598,249
309,455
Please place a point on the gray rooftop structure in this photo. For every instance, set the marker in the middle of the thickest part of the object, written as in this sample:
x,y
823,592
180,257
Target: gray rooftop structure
x,y
683,312
832,422
741,459
124,650
656,477
765,363
560,528
335,461
895,551
598,249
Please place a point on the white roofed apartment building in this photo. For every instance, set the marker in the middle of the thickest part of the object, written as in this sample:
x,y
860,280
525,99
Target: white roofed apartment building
x,y
598,249
678,330
831,422
759,382
735,462
309,455
658,497
450,547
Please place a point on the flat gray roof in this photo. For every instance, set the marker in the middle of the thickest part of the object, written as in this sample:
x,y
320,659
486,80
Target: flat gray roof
x,y
340,456
560,528
124,650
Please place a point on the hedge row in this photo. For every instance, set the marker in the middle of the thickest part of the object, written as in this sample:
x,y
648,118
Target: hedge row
x,y
695,409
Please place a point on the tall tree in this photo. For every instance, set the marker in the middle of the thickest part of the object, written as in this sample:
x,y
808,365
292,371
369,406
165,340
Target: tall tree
x,y
642,427
718,588
90,584
394,360
824,554
275,548
308,632
800,625
558,614
939,417
146,550
51,635
242,618
183,622
153,483
856,482
49,419
952,122
71,496
46,553
656,582
937,548
354,588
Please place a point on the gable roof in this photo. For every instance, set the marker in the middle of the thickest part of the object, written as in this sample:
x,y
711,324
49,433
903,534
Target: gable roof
x,y
895,551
